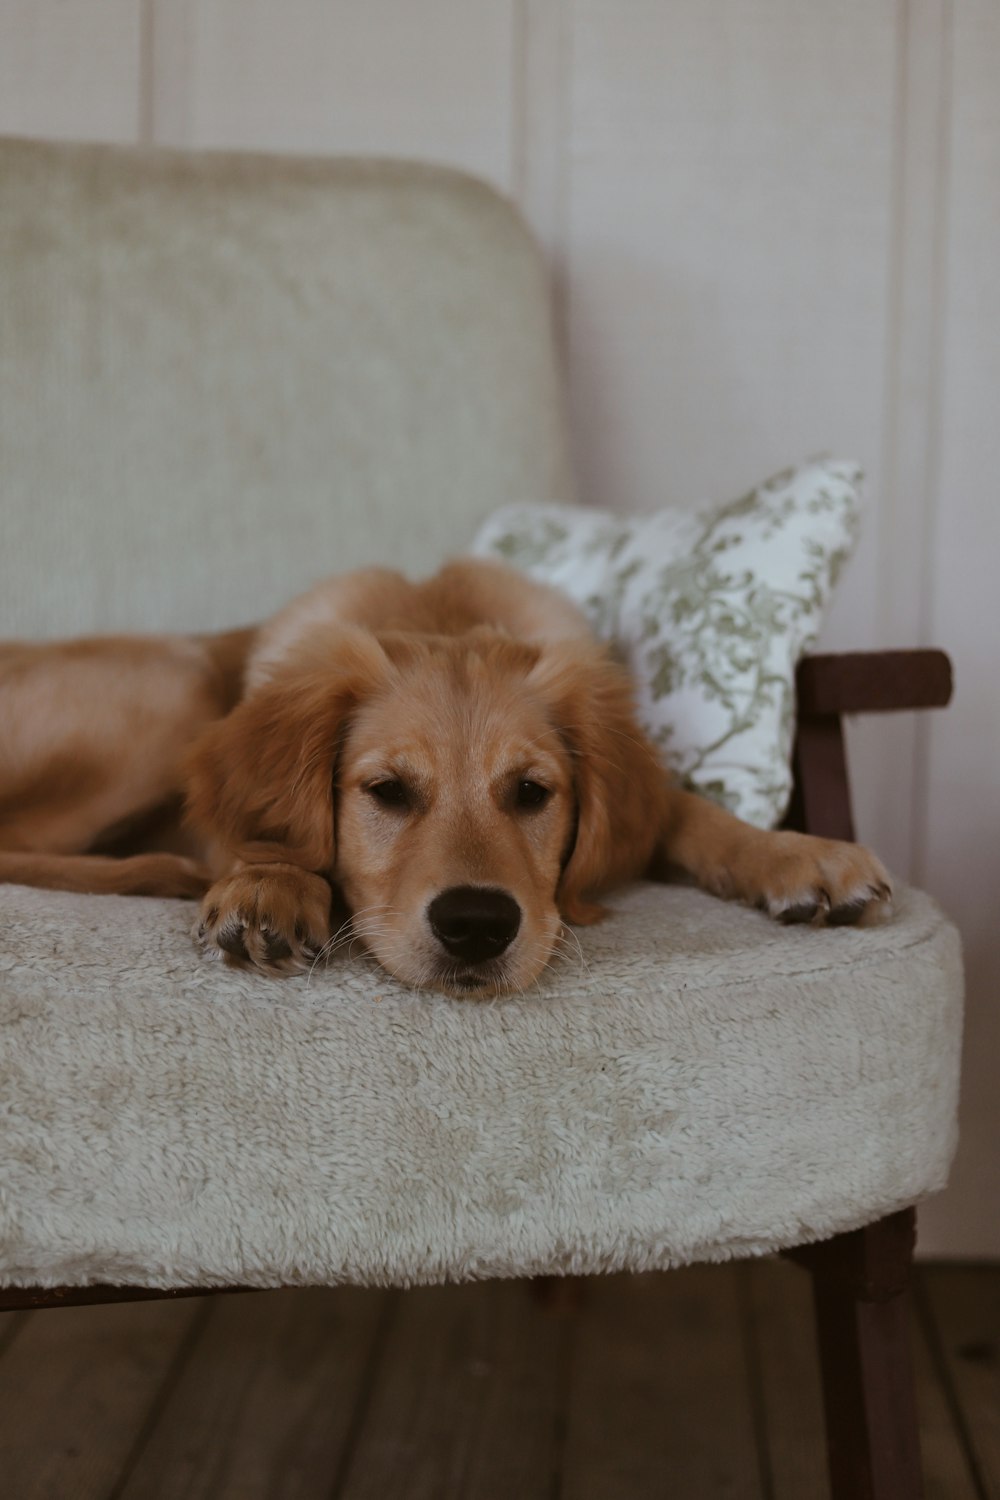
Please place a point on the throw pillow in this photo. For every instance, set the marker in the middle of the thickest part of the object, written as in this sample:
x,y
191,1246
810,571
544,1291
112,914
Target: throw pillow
x,y
710,608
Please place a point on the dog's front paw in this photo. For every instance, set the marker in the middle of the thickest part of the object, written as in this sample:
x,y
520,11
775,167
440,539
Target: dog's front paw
x,y
272,917
800,879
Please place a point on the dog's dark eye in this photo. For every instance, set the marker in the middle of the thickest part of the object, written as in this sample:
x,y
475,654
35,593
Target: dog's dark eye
x,y
391,793
531,794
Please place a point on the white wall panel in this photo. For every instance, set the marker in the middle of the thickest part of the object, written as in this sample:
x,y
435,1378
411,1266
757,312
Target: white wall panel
x,y
541,87
884,747
731,198
421,80
71,68
960,860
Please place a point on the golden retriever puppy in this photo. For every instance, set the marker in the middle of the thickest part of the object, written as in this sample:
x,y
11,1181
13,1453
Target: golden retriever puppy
x,y
459,760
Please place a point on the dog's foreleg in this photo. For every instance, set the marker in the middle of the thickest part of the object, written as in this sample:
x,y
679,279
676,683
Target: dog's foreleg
x,y
99,875
794,877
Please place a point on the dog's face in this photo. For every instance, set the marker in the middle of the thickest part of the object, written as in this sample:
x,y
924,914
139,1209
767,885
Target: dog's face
x,y
467,793
455,816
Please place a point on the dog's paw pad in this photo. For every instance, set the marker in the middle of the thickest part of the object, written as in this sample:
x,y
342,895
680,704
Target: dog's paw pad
x,y
276,922
249,941
800,914
276,945
821,883
849,913
819,909
231,937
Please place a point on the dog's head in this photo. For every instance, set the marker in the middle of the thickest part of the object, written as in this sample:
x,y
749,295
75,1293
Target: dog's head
x,y
467,794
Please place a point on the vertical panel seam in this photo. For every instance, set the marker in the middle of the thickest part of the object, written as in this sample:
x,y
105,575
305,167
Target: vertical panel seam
x,y
170,62
540,130
931,498
147,45
564,183
517,173
894,290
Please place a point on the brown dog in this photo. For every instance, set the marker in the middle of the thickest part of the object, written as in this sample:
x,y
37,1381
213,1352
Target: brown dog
x,y
459,757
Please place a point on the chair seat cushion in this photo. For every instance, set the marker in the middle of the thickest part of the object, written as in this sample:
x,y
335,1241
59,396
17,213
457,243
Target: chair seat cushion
x,y
697,1084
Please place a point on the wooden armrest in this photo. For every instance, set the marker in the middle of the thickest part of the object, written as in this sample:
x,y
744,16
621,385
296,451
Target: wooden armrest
x,y
872,681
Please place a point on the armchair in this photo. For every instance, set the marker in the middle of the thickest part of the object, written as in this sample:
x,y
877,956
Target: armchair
x,y
220,377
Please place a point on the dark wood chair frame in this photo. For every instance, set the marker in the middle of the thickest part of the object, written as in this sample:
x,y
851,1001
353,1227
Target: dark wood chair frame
x,y
861,1278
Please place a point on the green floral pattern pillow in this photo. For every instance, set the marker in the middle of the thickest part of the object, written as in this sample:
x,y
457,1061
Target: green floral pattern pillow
x,y
710,609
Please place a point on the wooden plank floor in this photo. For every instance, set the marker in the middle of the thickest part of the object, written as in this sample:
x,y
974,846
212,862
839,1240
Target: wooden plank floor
x,y
694,1384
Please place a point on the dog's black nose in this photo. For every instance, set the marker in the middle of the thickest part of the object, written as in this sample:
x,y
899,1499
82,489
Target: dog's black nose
x,y
473,922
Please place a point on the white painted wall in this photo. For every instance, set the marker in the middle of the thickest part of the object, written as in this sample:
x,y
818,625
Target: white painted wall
x,y
774,227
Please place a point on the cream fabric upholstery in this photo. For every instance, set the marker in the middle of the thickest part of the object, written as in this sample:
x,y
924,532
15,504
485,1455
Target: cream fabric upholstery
x,y
221,377
702,1084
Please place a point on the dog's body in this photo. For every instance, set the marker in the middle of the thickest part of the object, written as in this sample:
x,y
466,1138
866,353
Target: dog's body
x,y
459,758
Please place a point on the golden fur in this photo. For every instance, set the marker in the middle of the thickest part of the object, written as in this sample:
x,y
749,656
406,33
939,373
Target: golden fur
x,y
459,760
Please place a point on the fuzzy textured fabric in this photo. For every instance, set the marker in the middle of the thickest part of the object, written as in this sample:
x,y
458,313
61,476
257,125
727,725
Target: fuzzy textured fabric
x,y
701,1084
225,376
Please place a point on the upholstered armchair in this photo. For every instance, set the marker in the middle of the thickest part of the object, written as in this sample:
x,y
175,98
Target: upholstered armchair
x,y
222,377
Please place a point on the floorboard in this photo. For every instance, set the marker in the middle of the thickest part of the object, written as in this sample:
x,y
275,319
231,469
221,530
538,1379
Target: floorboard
x,y
700,1383
76,1385
467,1401
264,1405
948,1472
660,1369
963,1308
10,1324
781,1326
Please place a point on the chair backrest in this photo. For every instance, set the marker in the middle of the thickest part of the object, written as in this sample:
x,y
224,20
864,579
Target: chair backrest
x,y
224,376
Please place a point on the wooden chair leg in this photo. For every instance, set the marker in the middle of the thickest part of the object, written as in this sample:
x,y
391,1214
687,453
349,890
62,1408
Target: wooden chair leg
x,y
861,1290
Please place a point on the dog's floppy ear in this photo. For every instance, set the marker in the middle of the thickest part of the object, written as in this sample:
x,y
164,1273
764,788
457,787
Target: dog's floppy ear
x,y
259,783
621,788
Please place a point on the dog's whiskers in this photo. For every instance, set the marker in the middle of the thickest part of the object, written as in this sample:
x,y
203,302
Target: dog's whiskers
x,y
564,937
351,930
